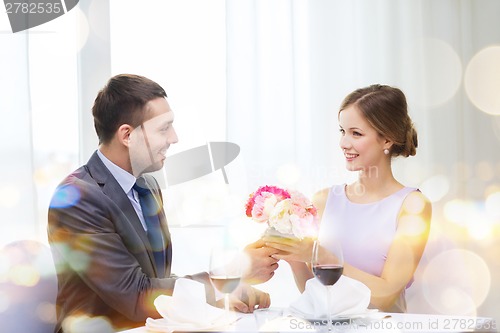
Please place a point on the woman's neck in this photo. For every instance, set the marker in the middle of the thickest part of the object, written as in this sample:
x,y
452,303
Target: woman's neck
x,y
374,183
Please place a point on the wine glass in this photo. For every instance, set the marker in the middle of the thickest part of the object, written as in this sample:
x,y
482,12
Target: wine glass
x,y
328,265
225,271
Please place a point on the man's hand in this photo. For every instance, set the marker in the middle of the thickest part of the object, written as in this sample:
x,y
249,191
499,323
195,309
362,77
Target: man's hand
x,y
290,249
261,263
247,298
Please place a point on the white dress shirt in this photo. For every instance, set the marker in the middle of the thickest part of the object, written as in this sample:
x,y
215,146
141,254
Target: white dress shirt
x,y
126,181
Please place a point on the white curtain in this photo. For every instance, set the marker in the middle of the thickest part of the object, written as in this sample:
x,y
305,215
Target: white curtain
x,y
17,195
290,63
39,88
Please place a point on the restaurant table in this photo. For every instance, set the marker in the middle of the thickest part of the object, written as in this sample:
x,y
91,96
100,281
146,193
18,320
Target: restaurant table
x,y
383,322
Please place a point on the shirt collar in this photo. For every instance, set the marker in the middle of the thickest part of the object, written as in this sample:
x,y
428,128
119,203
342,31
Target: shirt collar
x,y
124,178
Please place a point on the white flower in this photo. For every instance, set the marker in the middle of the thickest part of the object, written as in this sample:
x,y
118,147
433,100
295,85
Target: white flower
x,y
279,218
264,205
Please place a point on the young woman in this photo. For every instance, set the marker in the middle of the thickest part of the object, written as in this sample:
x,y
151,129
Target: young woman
x,y
381,224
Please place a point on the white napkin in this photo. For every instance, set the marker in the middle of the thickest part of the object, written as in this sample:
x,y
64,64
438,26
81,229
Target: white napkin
x,y
186,309
348,297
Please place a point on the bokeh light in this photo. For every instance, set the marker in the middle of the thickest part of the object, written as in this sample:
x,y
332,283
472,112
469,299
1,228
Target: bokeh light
x,y
414,204
438,68
482,80
480,228
4,267
491,189
456,282
463,170
484,170
4,301
473,217
46,312
288,174
24,275
84,323
28,287
456,301
495,124
492,205
24,263
436,187
79,260
414,225
10,196
457,211
65,196
473,220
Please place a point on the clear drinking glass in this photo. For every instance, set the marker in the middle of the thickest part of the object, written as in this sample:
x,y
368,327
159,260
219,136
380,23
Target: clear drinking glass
x,y
328,265
225,271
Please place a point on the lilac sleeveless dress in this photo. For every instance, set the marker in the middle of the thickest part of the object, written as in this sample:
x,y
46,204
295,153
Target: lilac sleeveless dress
x,y
365,231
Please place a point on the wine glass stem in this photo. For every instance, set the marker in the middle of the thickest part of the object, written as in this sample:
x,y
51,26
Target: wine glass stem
x,y
329,325
226,303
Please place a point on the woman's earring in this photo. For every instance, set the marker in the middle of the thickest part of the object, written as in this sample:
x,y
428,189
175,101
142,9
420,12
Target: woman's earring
x,y
386,151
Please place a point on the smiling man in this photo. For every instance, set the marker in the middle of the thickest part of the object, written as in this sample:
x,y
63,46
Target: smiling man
x,y
107,228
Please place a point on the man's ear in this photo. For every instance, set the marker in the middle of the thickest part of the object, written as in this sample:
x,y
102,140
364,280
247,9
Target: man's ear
x,y
123,134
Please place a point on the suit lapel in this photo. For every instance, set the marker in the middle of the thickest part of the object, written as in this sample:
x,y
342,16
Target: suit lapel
x,y
112,189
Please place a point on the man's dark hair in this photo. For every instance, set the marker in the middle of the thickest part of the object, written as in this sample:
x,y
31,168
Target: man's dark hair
x,y
122,101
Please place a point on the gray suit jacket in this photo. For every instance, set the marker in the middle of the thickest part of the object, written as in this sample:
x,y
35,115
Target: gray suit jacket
x,y
103,258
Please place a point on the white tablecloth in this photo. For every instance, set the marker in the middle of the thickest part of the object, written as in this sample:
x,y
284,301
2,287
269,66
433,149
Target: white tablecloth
x,y
394,322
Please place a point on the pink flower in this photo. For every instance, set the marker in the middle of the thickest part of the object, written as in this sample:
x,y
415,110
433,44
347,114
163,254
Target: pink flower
x,y
263,205
301,205
287,212
312,210
279,193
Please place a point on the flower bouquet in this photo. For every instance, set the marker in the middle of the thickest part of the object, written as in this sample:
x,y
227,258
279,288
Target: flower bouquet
x,y
287,213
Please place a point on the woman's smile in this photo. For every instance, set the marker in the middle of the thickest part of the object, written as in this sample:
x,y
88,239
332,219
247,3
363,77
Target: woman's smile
x,y
350,157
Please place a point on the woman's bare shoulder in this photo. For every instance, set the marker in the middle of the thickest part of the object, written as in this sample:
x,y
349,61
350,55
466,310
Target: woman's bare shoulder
x,y
319,198
416,203
322,194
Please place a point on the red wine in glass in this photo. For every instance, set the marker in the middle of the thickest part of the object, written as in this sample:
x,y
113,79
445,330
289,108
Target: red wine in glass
x,y
328,266
328,274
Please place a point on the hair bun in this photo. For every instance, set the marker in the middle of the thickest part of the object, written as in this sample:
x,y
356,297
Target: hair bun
x,y
411,143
